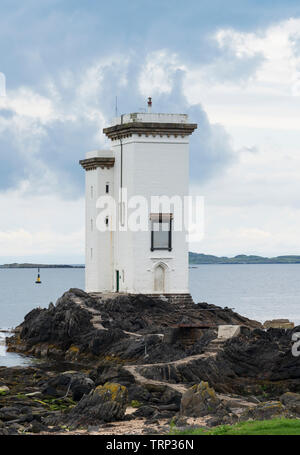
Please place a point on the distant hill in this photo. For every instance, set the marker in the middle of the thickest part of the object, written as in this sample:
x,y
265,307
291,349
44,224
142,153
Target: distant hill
x,y
41,266
196,258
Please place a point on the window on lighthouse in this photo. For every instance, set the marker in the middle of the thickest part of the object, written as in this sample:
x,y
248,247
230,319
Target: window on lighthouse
x,y
161,231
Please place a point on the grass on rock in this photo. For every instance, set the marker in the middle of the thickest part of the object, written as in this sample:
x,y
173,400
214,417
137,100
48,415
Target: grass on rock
x,y
256,427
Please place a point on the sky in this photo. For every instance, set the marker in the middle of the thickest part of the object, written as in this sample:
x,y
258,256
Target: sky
x,y
234,67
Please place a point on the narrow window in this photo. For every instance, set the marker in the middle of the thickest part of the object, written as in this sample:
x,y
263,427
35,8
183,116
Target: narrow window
x,y
122,209
91,253
92,226
106,221
123,275
92,192
107,188
161,231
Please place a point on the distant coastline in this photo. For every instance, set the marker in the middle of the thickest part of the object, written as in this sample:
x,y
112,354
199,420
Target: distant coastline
x,y
198,258
194,259
41,266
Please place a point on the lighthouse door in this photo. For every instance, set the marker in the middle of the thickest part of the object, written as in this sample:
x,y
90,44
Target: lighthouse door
x,y
117,280
159,279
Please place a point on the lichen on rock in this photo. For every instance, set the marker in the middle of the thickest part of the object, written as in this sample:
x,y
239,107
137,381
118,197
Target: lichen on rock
x,y
200,400
265,411
105,403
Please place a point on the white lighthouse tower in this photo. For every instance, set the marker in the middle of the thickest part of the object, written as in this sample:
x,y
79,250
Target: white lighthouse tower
x,y
148,160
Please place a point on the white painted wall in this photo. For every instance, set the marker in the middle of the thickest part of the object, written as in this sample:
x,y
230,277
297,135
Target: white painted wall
x,y
99,264
152,166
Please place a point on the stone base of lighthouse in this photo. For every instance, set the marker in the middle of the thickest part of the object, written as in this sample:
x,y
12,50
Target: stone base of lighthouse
x,y
170,298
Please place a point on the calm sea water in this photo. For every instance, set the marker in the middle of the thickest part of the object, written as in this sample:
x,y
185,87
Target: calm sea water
x,y
258,291
261,292
19,294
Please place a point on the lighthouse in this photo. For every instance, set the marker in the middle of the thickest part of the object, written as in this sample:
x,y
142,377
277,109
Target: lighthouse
x,y
136,246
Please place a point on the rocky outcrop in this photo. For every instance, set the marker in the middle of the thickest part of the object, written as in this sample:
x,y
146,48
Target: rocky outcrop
x,y
77,383
266,411
200,400
128,328
143,314
292,402
265,357
133,330
105,403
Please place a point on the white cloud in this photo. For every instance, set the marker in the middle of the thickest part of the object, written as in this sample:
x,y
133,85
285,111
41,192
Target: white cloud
x,y
277,44
267,93
158,71
35,225
24,243
25,102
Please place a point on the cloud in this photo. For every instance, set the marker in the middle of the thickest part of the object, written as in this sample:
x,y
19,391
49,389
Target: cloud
x,y
47,132
40,227
278,45
25,243
254,81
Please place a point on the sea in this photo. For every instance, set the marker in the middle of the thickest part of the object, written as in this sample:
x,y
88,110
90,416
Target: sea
x,y
257,291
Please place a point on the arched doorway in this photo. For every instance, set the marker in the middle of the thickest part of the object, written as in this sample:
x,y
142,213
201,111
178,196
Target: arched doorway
x,y
159,278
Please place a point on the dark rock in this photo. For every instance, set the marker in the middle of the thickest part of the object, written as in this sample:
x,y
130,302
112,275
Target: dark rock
x,y
9,413
112,373
171,399
103,339
37,427
104,404
201,400
138,393
78,383
202,343
214,421
266,411
292,402
145,411
50,391
164,414
169,407
128,417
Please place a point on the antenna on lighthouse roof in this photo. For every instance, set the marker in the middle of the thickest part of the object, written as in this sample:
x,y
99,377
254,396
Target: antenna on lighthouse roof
x,y
149,104
116,107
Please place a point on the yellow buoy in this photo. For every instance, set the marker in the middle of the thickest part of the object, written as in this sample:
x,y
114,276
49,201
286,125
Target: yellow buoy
x,y
38,280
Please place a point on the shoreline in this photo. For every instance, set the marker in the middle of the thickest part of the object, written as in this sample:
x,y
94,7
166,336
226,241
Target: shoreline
x,y
191,265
